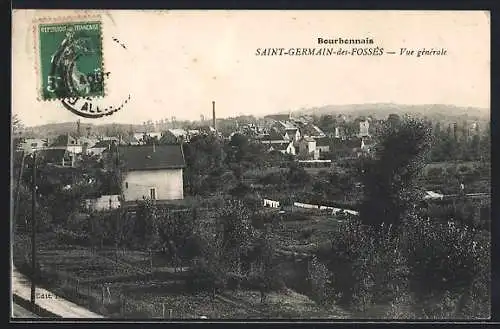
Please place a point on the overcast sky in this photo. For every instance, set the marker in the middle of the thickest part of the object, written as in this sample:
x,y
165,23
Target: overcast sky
x,y
177,62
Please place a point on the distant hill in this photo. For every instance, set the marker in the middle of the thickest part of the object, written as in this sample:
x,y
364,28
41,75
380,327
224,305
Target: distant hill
x,y
56,129
382,110
435,112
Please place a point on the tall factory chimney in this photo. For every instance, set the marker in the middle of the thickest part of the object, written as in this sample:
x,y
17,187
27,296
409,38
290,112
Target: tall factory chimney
x,y
213,115
78,131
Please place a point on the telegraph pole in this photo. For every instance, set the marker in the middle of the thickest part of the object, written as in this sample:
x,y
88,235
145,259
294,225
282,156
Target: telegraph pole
x,y
33,233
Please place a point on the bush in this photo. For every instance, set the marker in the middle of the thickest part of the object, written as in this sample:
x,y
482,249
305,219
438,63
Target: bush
x,y
443,256
435,172
425,268
319,278
295,216
273,179
204,277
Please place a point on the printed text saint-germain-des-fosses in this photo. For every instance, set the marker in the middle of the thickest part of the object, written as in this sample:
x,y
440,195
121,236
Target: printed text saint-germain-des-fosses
x,y
358,49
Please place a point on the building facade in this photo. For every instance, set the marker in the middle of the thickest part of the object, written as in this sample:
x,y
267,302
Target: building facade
x,y
152,172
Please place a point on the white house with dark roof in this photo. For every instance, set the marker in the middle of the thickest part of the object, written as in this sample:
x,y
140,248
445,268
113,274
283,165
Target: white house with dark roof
x,y
152,172
68,143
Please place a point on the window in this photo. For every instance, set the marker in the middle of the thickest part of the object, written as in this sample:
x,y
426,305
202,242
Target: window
x,y
152,193
34,144
126,184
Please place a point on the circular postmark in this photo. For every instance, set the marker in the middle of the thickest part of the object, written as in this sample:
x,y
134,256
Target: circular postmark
x,y
85,105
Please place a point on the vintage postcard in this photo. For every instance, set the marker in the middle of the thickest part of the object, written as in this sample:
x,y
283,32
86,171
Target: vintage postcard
x,y
240,165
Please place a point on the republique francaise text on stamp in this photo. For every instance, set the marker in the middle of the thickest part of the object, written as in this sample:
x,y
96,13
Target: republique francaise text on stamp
x,y
70,59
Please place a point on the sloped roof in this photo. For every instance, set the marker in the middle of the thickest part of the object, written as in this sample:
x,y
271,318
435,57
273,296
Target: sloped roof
x,y
64,140
145,157
275,135
308,139
324,141
312,130
282,146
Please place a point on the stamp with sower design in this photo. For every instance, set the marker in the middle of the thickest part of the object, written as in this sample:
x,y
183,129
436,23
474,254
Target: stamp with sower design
x,y
70,59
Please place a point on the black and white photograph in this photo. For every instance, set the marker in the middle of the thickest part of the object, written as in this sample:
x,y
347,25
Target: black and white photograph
x,y
210,165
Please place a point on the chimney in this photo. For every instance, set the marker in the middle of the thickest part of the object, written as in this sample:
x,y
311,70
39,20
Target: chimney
x,y
213,115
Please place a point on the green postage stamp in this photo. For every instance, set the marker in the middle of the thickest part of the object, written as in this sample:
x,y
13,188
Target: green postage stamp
x,y
70,59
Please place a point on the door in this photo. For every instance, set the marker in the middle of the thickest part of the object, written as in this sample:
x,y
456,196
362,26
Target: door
x,y
152,193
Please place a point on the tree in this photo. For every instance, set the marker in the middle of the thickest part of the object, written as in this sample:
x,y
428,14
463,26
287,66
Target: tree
x,y
389,178
267,276
176,234
236,233
319,277
204,163
17,124
297,175
394,120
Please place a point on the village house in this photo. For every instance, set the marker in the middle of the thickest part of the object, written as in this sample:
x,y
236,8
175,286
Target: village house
x,y
152,172
100,147
58,157
323,145
347,147
307,149
310,130
287,129
286,147
30,145
340,133
364,127
174,136
68,143
292,134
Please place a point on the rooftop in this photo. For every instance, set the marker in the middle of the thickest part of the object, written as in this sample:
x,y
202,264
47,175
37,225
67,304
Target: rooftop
x,y
149,157
64,140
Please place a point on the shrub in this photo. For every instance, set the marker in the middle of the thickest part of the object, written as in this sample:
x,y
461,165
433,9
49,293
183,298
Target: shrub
x,y
442,256
273,179
435,172
319,278
204,277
